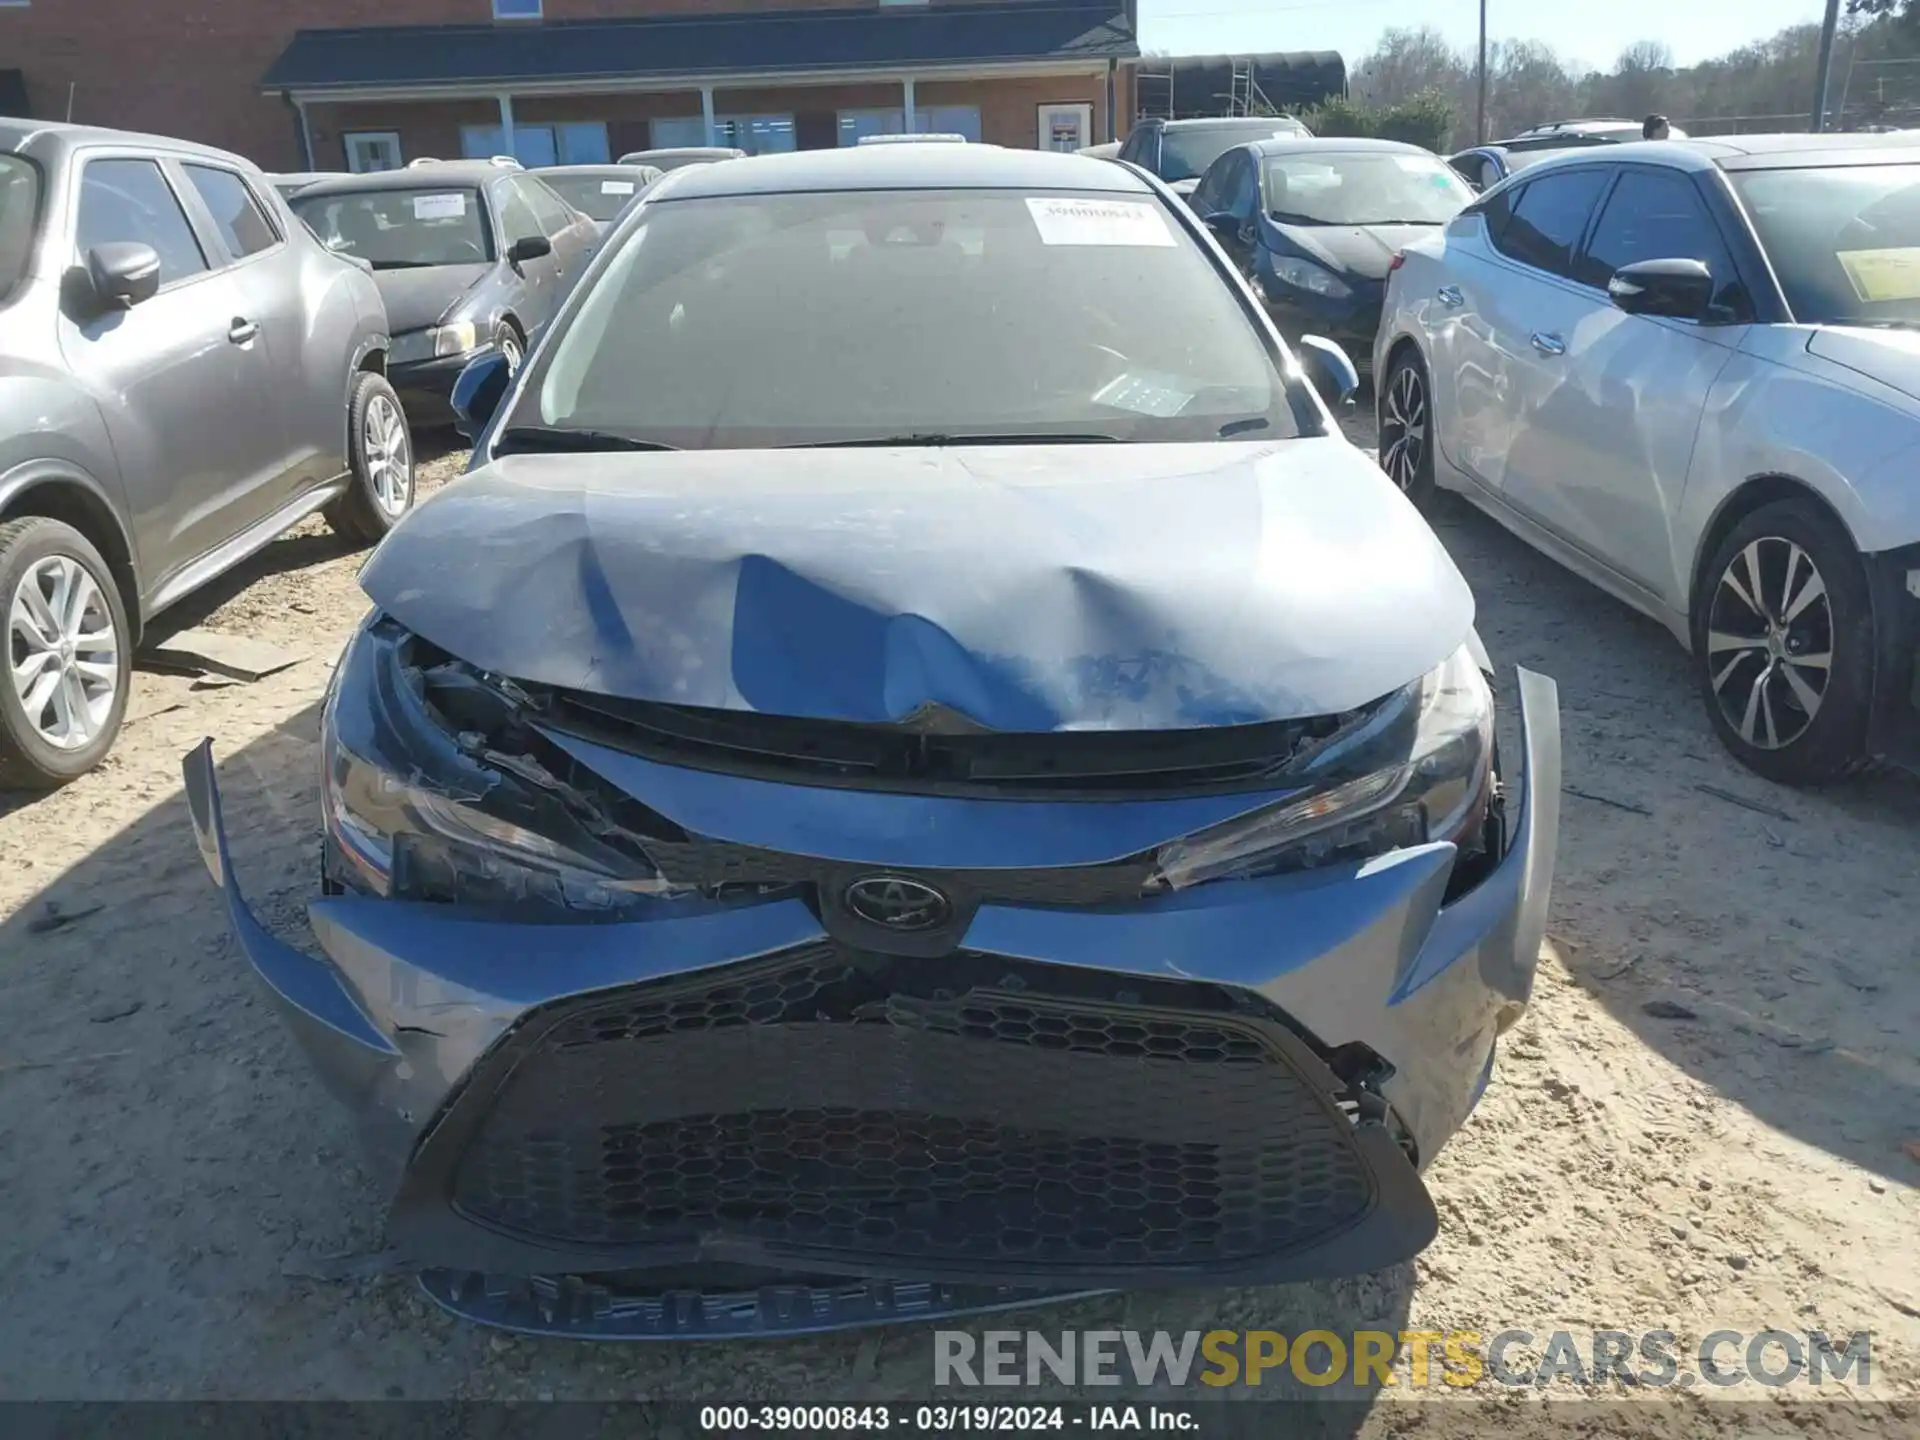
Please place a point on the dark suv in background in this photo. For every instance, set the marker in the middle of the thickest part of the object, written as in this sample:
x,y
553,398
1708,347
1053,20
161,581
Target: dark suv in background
x,y
185,372
1179,151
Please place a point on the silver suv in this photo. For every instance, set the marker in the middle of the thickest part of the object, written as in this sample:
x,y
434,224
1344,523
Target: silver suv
x,y
184,373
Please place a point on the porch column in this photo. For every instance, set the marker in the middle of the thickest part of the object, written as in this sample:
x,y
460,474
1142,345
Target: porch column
x,y
306,135
506,124
911,127
706,110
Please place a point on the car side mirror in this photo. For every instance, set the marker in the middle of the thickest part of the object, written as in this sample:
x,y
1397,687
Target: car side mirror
x,y
529,247
123,274
1330,370
1225,226
477,395
1678,289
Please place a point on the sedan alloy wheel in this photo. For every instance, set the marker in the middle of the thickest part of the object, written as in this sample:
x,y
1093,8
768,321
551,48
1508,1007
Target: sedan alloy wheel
x,y
389,456
1770,642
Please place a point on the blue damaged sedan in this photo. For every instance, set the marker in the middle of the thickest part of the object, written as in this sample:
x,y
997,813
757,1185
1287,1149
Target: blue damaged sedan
x,y
917,773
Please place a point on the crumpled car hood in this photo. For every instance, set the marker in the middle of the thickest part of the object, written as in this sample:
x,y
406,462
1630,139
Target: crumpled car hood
x,y
1028,588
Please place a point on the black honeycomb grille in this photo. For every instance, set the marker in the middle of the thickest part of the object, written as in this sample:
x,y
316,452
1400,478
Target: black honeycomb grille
x,y
816,1105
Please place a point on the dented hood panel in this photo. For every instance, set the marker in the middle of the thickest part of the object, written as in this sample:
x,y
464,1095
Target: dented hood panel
x,y
1030,588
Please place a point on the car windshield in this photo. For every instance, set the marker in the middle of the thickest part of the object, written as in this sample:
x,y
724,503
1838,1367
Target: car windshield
x,y
1844,240
948,315
401,229
1364,188
19,216
1186,154
597,196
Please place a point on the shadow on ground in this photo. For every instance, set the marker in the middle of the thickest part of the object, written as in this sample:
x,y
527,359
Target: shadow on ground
x,y
1784,923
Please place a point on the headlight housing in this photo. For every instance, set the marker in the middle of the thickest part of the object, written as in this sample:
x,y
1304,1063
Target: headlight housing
x,y
1315,279
1418,768
415,808
455,339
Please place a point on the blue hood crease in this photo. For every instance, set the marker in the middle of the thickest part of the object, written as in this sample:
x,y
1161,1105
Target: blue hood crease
x,y
1029,589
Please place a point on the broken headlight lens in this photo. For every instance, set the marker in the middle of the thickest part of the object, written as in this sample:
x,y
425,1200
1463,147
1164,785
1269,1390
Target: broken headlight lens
x,y
416,811
1415,769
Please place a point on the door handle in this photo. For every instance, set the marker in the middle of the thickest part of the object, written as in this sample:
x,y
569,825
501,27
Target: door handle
x,y
1451,297
1549,344
242,331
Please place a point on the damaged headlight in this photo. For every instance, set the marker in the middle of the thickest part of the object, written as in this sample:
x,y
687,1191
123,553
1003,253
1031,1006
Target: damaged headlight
x,y
416,807
1416,768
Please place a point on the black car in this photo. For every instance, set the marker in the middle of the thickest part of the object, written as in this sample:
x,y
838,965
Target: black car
x,y
600,192
1179,151
1314,224
469,257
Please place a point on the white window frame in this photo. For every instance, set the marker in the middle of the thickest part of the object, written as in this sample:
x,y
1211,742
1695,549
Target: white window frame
x,y
514,15
392,137
1043,121
722,130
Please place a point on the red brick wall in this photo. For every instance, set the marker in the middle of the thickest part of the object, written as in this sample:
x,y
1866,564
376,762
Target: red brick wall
x,y
192,68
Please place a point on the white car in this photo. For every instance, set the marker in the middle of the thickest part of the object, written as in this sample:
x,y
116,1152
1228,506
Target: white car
x,y
1691,373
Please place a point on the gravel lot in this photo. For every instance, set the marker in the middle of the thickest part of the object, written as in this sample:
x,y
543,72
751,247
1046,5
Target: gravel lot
x,y
1732,1159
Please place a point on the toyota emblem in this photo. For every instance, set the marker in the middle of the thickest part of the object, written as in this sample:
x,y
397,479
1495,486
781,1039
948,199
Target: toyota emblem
x,y
896,903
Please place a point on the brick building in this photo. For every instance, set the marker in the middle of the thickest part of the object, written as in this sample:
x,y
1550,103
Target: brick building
x,y
368,84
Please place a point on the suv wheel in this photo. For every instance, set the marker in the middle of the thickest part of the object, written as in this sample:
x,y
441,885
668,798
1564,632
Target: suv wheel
x,y
69,662
381,490
1783,644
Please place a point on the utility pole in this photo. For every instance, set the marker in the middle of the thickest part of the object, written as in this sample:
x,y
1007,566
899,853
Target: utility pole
x,y
1480,127
1827,27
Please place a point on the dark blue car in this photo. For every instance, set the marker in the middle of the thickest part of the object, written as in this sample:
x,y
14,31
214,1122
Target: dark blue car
x,y
919,772
1314,224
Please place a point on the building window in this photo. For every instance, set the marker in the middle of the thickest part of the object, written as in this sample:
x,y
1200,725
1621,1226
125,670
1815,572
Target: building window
x,y
581,142
928,120
370,150
755,134
516,9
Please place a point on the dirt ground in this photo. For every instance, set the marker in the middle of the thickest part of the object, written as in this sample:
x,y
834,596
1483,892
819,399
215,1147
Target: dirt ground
x,y
1731,1158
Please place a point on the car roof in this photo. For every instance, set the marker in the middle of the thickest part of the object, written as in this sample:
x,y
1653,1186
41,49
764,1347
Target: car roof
x,y
53,139
906,167
440,174
1337,145
608,170
677,152
1229,122
1744,152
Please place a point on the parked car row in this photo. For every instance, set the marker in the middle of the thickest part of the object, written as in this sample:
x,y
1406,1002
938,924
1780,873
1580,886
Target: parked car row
x,y
196,355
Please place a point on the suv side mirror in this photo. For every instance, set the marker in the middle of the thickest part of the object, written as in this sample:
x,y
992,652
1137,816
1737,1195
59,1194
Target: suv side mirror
x,y
1330,370
123,274
477,395
529,247
1678,289
1225,225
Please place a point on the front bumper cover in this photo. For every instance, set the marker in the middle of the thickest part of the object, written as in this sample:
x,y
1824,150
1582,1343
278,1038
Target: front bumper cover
x,y
412,1008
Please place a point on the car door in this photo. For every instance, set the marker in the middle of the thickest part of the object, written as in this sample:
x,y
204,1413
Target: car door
x,y
1607,425
182,378
539,278
266,267
1512,301
574,236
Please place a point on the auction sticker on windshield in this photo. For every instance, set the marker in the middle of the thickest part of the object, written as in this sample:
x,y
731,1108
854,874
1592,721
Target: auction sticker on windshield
x,y
616,187
439,207
1098,222
1882,275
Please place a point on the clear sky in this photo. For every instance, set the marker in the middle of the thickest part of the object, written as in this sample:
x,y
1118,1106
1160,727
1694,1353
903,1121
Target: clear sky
x,y
1591,31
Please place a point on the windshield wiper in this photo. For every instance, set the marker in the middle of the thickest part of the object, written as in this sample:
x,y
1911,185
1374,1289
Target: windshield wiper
x,y
1241,427
922,438
395,264
553,439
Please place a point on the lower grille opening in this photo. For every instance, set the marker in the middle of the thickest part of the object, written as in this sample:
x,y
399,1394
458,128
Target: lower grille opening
x,y
971,1109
